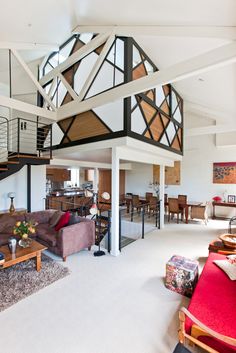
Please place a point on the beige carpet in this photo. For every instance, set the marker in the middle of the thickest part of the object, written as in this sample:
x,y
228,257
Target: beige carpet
x,y
107,304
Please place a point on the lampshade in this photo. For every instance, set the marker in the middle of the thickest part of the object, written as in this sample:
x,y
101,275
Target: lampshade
x,y
11,194
106,196
93,210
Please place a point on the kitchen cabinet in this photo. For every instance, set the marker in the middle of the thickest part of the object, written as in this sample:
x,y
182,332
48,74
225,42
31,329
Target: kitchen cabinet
x,y
89,175
56,174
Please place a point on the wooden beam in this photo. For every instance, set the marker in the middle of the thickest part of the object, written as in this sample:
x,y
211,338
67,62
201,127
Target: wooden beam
x,y
223,55
29,46
97,66
78,55
27,108
228,32
33,79
211,129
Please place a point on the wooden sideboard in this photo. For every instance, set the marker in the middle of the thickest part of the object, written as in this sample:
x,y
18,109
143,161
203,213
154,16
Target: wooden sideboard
x,y
221,204
17,211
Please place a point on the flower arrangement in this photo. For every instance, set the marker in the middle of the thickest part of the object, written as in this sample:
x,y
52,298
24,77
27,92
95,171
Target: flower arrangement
x,y
23,229
217,199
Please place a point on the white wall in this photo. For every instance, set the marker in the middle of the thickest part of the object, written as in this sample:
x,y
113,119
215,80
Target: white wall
x,y
137,180
38,187
196,171
18,183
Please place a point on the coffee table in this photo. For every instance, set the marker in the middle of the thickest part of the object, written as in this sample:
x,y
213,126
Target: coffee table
x,y
218,246
23,254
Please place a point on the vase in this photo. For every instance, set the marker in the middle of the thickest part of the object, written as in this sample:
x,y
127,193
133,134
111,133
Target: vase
x,y
12,245
25,243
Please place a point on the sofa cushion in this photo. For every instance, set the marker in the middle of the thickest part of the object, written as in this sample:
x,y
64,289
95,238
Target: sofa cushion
x,y
73,219
64,220
213,303
39,216
8,221
47,234
55,218
4,238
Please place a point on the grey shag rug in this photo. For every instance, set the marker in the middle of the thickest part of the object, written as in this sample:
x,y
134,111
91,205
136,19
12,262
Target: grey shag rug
x,y
21,280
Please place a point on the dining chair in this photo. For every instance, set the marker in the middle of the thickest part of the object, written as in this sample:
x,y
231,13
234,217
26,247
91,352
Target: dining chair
x,y
166,202
136,203
152,205
173,208
182,199
148,196
200,212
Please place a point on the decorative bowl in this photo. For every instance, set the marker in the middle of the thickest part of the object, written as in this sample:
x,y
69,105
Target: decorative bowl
x,y
229,240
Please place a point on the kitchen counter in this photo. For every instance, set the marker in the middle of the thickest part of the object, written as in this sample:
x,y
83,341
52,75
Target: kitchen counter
x,y
67,192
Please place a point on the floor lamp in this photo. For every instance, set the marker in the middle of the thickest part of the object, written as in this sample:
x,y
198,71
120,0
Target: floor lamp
x,y
94,211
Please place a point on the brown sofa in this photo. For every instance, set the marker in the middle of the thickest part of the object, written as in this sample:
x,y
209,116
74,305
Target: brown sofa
x,y
67,241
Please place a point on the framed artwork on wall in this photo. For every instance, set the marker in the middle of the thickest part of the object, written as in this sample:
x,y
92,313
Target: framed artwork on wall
x,y
224,173
231,198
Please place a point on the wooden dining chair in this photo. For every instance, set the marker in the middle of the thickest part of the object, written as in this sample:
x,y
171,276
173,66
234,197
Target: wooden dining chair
x,y
148,196
173,208
182,199
200,212
136,203
152,205
166,202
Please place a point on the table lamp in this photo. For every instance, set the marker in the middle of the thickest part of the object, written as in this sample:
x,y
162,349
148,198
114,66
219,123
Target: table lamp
x,y
11,196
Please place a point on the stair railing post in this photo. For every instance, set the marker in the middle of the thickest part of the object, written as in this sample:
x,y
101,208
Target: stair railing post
x,y
18,135
142,213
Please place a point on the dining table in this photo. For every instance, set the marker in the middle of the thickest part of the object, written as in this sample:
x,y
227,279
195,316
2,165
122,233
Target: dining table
x,y
128,201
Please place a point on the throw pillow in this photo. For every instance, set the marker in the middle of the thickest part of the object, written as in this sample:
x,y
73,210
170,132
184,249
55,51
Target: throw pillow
x,y
64,220
55,218
73,219
227,267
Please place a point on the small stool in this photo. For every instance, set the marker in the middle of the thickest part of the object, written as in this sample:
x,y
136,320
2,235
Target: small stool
x,y
181,275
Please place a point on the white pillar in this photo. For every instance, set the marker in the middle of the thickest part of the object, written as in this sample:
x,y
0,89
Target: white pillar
x,y
115,203
95,181
162,193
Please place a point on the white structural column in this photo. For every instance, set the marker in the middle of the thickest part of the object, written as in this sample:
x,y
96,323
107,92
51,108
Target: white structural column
x,y
115,203
162,195
96,178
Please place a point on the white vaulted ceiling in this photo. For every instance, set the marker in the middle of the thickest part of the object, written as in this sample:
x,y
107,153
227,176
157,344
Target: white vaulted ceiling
x,y
52,22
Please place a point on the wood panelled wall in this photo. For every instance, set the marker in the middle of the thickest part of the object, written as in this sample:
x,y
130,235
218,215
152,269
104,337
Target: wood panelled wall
x,y
105,181
172,174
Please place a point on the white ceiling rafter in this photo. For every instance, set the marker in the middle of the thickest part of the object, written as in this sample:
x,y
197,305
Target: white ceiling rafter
x,y
97,66
27,108
67,86
29,46
33,79
78,55
53,84
162,31
220,56
201,110
210,130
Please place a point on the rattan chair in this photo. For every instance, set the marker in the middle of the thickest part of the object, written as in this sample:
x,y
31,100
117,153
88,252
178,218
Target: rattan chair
x,y
200,212
173,208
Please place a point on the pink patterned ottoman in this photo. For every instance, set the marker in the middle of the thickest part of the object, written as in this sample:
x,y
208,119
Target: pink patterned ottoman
x,y
181,275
